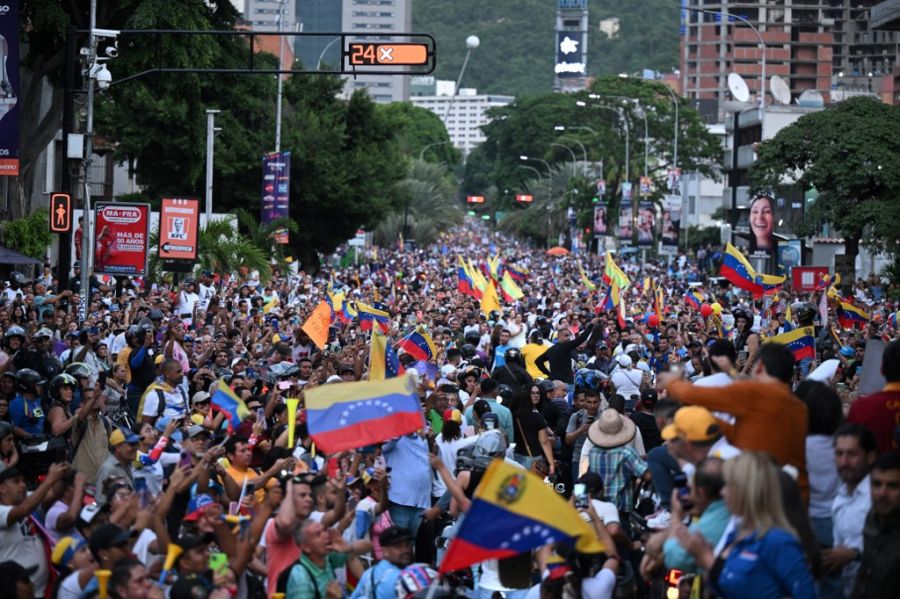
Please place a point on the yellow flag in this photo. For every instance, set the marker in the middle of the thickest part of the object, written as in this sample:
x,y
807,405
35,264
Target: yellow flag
x,y
489,300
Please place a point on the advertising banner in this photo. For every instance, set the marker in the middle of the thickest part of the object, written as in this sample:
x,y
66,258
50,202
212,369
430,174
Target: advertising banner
x,y
179,220
601,188
807,278
122,232
276,190
9,88
673,180
625,224
626,192
646,186
600,226
762,226
670,226
570,54
646,223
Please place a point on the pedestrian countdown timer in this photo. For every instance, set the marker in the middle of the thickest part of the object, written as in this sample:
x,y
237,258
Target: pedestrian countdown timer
x,y
399,54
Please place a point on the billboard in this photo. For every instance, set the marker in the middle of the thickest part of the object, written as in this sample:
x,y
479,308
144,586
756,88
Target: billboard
x,y
646,223
179,220
600,226
121,236
276,190
807,278
625,224
570,60
670,225
9,88
762,226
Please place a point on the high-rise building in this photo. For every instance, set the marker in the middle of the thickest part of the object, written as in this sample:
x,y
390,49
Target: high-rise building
x,y
797,35
865,50
375,20
262,15
319,16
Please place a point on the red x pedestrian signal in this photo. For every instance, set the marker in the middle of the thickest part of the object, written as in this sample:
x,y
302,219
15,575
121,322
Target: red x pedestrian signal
x,y
60,213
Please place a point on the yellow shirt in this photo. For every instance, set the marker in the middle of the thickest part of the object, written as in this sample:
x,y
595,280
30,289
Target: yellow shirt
x,y
531,353
122,358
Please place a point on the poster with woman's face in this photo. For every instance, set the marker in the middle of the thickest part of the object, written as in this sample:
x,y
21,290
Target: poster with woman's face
x,y
600,220
646,223
625,224
762,225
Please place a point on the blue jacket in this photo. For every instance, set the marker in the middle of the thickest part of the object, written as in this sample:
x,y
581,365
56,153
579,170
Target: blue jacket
x,y
771,566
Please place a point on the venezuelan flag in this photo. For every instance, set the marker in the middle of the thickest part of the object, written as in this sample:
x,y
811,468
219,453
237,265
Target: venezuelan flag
x,y
353,415
224,400
660,302
612,272
850,316
479,283
892,319
827,281
509,289
348,312
801,341
272,303
335,301
738,271
516,272
464,285
694,299
383,361
368,315
419,345
513,512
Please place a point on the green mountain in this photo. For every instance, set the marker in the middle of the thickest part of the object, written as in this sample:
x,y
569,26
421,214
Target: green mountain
x,y
516,55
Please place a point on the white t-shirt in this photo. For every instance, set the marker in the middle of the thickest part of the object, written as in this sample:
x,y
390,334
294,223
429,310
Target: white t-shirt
x,y
141,548
21,542
627,382
56,510
599,586
69,588
205,294
118,344
186,303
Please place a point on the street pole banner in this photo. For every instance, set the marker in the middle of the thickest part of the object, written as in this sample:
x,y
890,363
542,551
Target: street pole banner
x,y
646,223
600,227
646,186
179,219
122,233
670,228
276,189
9,88
625,223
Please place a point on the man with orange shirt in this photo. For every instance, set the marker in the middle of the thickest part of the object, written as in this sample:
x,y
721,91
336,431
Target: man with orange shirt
x,y
880,412
767,415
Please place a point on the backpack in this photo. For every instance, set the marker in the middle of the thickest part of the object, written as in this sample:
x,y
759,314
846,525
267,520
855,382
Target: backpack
x,y
285,576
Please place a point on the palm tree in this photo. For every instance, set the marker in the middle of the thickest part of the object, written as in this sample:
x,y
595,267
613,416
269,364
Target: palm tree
x,y
221,249
545,218
429,206
263,236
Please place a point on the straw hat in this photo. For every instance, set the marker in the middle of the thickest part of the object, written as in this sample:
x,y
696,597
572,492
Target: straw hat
x,y
611,429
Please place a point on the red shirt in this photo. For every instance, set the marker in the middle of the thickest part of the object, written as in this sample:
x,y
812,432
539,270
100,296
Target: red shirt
x,y
280,554
880,413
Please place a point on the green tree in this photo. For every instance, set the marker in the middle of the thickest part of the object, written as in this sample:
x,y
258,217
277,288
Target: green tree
x,y
850,152
263,236
420,131
429,205
29,235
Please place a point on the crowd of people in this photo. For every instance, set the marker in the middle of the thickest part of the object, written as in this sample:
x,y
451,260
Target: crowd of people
x,y
707,459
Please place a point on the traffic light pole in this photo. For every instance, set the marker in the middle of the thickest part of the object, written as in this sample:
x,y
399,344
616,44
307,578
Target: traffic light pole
x,y
64,261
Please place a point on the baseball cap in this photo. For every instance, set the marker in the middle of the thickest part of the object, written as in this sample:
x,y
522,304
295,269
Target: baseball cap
x,y
649,397
693,423
238,360
452,414
188,542
195,430
197,505
119,436
200,397
624,360
394,536
106,536
65,550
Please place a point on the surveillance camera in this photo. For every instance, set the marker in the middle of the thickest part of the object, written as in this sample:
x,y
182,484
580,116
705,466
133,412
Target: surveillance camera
x,y
103,76
112,51
85,51
113,33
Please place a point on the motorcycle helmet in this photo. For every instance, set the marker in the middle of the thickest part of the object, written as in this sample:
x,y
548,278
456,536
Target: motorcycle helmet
x,y
489,446
514,356
468,351
805,314
28,381
78,370
587,378
59,381
14,331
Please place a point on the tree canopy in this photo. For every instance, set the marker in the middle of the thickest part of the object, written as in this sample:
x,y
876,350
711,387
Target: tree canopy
x,y
850,153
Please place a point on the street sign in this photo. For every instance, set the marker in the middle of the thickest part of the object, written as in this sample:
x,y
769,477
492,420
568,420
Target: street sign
x,y
60,213
475,199
396,54
524,198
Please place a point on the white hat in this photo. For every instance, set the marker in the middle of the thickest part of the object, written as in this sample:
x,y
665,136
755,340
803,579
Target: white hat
x,y
624,360
611,429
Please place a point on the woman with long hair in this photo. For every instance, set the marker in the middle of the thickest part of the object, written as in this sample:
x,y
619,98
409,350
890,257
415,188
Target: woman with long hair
x,y
531,431
763,556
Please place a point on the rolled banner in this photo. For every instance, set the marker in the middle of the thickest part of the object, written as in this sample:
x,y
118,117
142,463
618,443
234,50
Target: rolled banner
x,y
103,582
292,404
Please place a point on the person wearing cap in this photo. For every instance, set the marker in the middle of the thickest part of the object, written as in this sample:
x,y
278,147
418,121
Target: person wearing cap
x,y
601,359
625,377
109,544
609,453
39,356
378,582
72,559
768,417
46,302
123,449
87,353
20,540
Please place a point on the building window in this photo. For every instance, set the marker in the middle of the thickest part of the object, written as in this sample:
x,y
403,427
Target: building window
x,y
381,26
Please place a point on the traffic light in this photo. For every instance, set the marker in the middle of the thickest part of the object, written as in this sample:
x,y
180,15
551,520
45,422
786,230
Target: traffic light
x,y
60,213
524,198
475,199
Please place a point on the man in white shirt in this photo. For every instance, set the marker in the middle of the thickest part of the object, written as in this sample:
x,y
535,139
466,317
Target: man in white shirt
x,y
206,289
855,450
187,299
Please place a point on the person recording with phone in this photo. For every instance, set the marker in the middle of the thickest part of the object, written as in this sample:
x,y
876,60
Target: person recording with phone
x,y
579,423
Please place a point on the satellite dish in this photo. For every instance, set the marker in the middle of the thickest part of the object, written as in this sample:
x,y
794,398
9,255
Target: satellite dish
x,y
738,87
780,90
811,99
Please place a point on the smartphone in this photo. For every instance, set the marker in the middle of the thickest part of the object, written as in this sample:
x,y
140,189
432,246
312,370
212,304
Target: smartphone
x,y
218,562
680,483
579,491
184,460
250,489
284,385
261,416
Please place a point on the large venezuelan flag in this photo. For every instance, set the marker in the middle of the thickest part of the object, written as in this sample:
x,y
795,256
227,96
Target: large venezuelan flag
x,y
801,341
419,345
612,272
694,299
850,316
383,361
513,512
738,271
224,400
465,283
368,315
352,415
516,272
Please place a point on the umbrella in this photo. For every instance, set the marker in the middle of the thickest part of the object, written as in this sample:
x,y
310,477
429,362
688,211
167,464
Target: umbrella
x,y
557,251
8,256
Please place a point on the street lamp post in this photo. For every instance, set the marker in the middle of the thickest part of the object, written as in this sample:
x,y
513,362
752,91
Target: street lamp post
x,y
472,42
583,151
436,143
210,145
280,80
569,150
87,262
324,50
